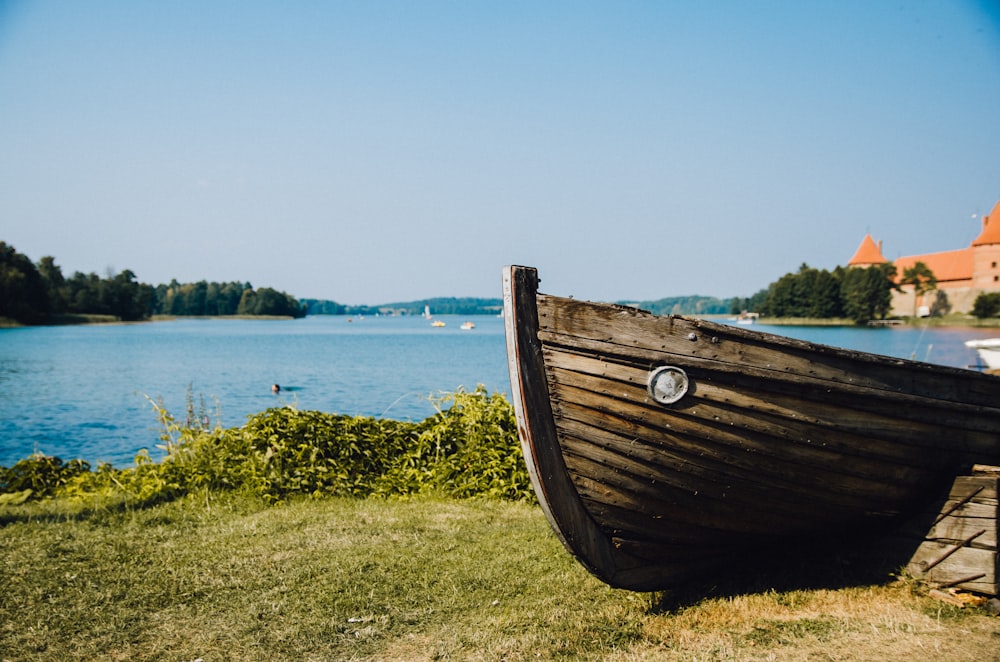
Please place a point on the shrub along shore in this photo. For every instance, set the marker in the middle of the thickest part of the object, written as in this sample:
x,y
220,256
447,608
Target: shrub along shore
x,y
469,448
304,535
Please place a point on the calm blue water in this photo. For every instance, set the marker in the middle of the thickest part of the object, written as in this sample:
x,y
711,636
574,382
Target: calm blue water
x,y
79,391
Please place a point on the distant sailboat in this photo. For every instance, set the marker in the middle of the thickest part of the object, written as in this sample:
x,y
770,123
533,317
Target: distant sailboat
x,y
427,312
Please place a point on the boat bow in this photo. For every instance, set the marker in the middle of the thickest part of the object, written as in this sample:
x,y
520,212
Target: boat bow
x,y
663,447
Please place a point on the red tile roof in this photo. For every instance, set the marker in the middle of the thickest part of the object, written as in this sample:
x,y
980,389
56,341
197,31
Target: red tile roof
x,y
991,228
946,266
867,253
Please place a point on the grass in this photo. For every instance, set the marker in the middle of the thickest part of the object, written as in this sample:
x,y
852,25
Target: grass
x,y
227,577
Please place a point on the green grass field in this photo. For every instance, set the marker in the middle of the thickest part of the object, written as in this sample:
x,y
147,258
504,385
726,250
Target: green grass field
x,y
228,577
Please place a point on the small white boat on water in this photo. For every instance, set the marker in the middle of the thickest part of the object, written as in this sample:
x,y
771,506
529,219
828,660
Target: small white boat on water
x,y
468,326
989,351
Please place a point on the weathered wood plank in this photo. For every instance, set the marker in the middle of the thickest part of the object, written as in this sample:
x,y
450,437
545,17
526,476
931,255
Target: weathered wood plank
x,y
952,529
985,470
734,346
619,520
771,456
955,528
984,486
959,417
667,504
766,486
789,439
963,563
799,415
664,485
691,465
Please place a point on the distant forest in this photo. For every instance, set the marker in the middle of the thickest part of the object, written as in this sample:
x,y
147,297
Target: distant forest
x,y
856,293
40,294
437,306
690,305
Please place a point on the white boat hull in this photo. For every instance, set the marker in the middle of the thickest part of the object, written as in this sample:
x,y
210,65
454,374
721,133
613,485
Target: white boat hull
x,y
989,351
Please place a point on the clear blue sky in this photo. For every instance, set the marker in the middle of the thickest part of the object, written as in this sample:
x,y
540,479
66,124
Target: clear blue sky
x,y
371,152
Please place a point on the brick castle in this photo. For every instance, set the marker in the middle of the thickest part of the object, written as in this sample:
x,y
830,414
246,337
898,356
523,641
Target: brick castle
x,y
961,274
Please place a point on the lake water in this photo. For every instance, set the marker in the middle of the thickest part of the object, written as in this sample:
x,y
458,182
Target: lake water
x,y
80,391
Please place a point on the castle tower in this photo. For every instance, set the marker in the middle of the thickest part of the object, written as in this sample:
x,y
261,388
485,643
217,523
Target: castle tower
x,y
868,254
986,253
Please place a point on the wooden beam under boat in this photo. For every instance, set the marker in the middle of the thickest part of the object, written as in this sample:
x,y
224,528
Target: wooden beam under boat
x,y
663,447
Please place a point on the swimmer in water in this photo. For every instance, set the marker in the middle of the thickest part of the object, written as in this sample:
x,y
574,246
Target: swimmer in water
x,y
275,388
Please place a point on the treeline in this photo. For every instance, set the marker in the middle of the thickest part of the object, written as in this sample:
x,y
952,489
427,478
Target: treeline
x,y
209,298
689,305
437,306
857,293
39,294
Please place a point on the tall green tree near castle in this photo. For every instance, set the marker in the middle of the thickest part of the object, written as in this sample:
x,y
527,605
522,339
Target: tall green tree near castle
x,y
858,293
921,278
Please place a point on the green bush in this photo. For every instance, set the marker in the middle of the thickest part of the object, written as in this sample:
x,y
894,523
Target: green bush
x,y
40,475
986,305
468,449
314,453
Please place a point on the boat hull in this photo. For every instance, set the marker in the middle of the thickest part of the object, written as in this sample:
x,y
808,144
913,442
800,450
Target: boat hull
x,y
988,350
664,447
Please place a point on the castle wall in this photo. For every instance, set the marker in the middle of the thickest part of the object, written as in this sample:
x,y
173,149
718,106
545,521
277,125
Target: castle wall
x,y
961,297
986,267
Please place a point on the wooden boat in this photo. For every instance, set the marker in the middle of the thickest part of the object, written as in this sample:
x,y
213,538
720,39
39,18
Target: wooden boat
x,y
664,448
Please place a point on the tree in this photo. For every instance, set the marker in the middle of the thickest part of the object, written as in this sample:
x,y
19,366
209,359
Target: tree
x,y
82,294
867,292
128,299
23,296
780,300
921,278
986,305
825,299
55,283
807,293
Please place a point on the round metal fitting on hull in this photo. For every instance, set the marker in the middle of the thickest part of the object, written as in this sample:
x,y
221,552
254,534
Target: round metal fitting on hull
x,y
667,384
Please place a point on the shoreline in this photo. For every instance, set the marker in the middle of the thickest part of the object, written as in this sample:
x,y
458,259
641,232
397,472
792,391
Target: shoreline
x,y
957,321
104,320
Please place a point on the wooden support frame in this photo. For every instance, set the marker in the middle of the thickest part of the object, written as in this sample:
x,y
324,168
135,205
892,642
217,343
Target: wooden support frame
x,y
960,548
